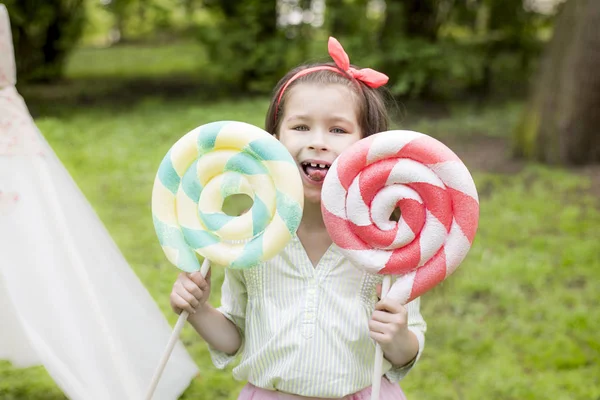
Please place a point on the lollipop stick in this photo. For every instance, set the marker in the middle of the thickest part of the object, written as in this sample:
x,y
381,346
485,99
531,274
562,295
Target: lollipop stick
x,y
173,340
385,287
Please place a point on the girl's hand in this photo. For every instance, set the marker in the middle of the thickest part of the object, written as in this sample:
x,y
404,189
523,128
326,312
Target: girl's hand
x,y
190,292
389,327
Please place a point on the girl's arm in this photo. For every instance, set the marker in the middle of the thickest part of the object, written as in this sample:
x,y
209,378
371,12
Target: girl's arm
x,y
190,293
390,328
216,330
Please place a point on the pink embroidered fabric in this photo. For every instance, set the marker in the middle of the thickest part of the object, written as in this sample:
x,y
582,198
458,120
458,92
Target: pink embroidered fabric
x,y
16,135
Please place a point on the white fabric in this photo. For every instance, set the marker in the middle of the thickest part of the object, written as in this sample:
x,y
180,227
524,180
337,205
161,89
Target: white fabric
x,y
68,298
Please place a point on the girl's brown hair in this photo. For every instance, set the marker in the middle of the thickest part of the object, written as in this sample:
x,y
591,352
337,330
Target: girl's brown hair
x,y
371,103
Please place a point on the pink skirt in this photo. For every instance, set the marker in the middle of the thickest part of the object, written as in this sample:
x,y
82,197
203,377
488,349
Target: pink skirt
x,y
388,391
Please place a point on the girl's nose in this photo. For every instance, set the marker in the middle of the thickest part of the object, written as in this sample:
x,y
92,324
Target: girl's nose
x,y
318,141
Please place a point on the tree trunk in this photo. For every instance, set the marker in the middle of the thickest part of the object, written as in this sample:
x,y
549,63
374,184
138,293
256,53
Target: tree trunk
x,y
44,32
266,30
421,19
393,24
408,23
391,31
412,19
54,50
561,124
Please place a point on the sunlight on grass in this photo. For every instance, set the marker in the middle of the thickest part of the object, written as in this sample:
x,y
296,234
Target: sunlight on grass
x,y
516,321
135,61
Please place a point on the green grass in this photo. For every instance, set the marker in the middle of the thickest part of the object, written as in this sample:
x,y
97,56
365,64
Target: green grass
x,y
518,320
123,75
465,120
135,61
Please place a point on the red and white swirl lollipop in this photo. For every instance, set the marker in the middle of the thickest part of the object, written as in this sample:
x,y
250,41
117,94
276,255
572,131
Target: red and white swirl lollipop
x,y
437,199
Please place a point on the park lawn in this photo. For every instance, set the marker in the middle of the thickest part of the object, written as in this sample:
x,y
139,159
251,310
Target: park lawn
x,y
516,321
135,60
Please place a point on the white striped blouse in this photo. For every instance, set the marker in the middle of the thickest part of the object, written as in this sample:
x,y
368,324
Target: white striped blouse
x,y
305,329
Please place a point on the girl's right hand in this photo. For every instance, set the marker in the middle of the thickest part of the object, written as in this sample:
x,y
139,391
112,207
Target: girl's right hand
x,y
190,292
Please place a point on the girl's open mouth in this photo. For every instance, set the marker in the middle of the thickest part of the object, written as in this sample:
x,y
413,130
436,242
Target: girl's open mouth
x,y
314,171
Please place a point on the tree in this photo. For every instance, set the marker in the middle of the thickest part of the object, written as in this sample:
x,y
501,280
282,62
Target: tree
x,y
44,32
411,55
561,122
346,18
509,28
352,23
422,19
120,10
142,19
244,43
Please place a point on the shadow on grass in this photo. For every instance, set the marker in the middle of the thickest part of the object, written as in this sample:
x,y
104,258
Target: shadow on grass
x,y
120,94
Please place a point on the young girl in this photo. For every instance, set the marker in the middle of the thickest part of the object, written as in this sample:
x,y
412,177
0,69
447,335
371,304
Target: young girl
x,y
306,321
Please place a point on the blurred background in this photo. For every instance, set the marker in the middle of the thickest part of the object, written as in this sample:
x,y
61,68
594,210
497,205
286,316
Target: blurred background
x,y
512,86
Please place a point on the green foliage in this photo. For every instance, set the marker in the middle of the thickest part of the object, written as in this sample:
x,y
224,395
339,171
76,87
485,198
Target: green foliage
x,y
438,48
139,20
44,32
445,49
245,48
428,48
422,67
351,22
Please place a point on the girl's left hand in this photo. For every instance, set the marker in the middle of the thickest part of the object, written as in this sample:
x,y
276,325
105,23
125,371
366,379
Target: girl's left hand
x,y
389,327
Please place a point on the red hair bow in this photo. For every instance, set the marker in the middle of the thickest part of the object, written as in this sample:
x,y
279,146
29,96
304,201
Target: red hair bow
x,y
369,76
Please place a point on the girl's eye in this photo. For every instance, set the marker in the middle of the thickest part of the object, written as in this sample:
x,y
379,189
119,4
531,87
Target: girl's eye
x,y
338,130
300,128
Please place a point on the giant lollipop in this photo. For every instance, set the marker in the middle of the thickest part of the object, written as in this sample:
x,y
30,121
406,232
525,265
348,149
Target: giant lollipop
x,y
202,169
439,209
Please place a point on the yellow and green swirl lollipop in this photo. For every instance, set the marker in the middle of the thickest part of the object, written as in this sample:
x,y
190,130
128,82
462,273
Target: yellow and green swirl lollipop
x,y
209,164
197,175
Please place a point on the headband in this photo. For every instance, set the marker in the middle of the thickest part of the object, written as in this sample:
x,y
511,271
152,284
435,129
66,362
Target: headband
x,y
368,76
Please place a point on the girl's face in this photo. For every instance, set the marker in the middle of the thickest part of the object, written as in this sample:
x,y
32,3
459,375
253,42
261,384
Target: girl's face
x,y
318,123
